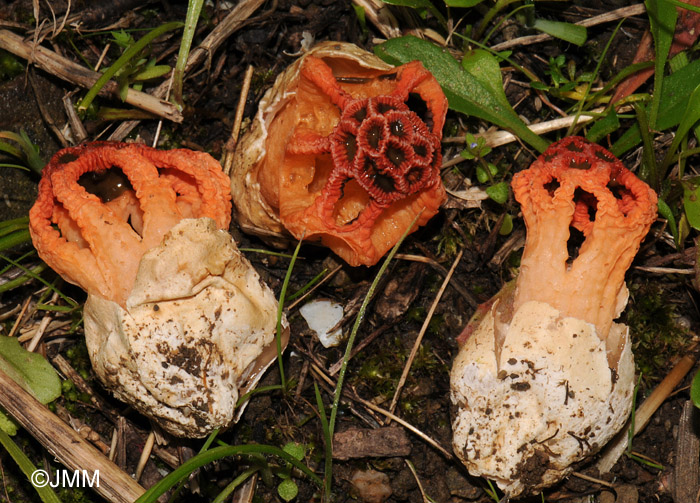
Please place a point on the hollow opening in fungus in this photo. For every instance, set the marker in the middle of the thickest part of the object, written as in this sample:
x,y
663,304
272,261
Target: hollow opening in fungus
x,y
106,184
419,106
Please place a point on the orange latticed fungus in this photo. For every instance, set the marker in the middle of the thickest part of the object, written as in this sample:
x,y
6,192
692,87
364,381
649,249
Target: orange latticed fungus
x,y
544,376
176,320
98,244
345,149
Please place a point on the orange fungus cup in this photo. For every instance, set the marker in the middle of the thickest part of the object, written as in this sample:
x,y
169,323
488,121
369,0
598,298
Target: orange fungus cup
x,y
544,377
345,149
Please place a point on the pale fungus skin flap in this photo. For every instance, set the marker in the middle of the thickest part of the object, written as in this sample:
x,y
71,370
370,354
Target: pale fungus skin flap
x,y
194,330
549,401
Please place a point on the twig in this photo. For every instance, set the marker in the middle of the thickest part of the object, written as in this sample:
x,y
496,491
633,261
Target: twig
x,y
642,415
380,16
223,30
369,405
67,70
664,270
238,119
588,478
335,368
632,10
76,125
314,288
16,325
498,138
423,329
39,333
145,454
65,444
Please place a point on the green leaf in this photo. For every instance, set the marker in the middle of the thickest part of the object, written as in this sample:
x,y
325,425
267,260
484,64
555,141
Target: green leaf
x,y
484,67
420,5
287,490
296,450
695,390
569,32
29,370
691,202
506,226
603,127
691,115
466,93
662,23
665,212
152,72
498,192
462,3
673,102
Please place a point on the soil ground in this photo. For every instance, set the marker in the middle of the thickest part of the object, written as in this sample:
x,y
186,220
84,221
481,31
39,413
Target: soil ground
x,y
663,306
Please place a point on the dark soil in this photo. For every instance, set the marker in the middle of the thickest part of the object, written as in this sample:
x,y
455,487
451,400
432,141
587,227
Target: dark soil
x,y
270,41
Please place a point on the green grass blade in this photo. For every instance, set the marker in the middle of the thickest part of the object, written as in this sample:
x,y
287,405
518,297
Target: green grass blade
x,y
328,439
131,52
662,22
280,309
184,470
14,238
569,32
307,286
223,495
358,322
45,493
14,283
689,119
35,276
194,8
464,91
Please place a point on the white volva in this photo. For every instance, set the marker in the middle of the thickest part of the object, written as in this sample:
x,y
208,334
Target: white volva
x,y
549,400
198,327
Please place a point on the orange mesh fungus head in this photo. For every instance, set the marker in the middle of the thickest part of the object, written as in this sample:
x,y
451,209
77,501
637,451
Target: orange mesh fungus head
x,y
95,238
354,154
577,184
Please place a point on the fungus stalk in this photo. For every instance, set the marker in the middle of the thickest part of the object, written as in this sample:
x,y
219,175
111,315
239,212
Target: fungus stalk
x,y
581,185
